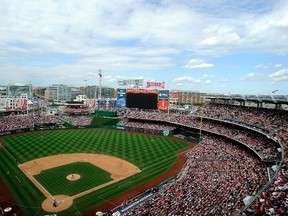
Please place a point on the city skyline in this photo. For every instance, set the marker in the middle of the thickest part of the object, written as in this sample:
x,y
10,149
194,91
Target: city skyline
x,y
207,46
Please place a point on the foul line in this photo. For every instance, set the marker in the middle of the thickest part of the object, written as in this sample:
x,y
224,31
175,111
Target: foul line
x,y
39,186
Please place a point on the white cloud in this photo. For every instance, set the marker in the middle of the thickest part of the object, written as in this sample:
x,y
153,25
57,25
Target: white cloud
x,y
86,28
283,22
252,76
186,79
277,65
189,79
111,79
261,66
98,23
198,63
208,76
225,80
281,75
266,66
208,81
136,37
222,35
262,32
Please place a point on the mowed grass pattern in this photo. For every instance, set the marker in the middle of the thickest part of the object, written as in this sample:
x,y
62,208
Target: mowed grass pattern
x,y
140,149
54,180
152,154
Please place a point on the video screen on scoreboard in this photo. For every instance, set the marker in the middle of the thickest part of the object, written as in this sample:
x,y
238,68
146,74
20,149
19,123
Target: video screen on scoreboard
x,y
142,100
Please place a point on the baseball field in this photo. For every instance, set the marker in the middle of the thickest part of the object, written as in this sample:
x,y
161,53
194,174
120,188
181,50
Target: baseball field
x,y
69,172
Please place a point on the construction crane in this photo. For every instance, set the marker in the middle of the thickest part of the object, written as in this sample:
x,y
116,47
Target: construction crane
x,y
100,78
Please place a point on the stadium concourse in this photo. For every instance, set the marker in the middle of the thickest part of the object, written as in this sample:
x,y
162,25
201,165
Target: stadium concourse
x,y
239,167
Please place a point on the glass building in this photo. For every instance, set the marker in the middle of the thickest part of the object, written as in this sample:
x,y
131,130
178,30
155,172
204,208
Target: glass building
x,y
15,91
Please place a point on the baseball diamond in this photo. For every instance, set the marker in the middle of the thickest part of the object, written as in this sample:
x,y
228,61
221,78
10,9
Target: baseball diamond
x,y
107,163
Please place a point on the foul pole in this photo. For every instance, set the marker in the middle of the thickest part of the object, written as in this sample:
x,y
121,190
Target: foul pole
x,y
201,122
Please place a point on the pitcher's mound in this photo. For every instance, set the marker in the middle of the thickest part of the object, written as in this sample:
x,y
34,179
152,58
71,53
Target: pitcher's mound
x,y
57,203
73,177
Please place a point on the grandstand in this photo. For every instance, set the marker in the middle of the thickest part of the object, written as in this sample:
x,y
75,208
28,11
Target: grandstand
x,y
76,108
76,113
239,166
260,132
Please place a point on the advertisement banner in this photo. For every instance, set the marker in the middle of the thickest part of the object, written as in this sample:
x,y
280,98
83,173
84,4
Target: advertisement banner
x,y
121,103
91,103
112,103
142,91
131,82
155,85
174,95
163,105
121,93
101,103
163,95
20,103
121,99
2,103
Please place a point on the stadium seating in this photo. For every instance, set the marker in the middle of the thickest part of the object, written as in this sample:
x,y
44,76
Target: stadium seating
x,y
263,130
218,175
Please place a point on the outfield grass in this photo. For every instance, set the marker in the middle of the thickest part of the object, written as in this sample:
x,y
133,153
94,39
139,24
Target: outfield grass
x,y
153,154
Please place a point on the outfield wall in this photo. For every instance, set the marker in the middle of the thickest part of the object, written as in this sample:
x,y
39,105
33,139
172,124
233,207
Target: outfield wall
x,y
4,133
69,126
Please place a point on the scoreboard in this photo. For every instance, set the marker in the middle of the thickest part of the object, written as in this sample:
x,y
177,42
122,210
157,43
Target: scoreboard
x,y
142,98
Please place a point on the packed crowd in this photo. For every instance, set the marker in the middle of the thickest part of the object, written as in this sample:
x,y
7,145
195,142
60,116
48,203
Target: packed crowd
x,y
219,192
15,122
78,120
265,147
77,111
273,201
273,123
217,177
140,126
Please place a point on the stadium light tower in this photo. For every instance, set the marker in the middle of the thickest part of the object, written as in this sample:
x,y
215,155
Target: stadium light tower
x,y
275,91
100,78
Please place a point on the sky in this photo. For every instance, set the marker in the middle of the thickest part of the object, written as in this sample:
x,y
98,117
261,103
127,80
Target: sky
x,y
210,46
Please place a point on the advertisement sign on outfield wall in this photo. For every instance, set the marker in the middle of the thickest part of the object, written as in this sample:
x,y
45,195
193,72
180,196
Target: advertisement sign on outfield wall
x,y
163,95
163,105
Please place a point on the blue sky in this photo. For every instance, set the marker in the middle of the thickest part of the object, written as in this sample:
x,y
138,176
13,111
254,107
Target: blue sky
x,y
212,46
